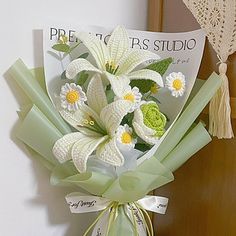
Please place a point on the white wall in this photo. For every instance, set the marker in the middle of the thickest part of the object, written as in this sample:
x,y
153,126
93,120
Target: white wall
x,y
29,206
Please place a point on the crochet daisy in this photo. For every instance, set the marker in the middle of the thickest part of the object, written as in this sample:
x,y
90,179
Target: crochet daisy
x,y
72,96
133,95
125,137
175,82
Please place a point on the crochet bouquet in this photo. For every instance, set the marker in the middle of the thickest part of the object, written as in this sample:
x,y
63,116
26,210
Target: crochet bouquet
x,y
109,129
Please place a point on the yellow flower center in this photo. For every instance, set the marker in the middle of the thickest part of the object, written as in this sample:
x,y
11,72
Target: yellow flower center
x,y
126,138
111,67
89,122
177,84
130,97
72,96
63,39
154,89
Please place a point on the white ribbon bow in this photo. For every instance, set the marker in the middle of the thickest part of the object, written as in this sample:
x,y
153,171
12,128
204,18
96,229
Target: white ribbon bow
x,y
80,203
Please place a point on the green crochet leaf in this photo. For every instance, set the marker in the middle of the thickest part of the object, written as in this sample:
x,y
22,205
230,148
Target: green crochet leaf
x,y
81,78
84,55
61,47
63,75
143,85
160,67
142,147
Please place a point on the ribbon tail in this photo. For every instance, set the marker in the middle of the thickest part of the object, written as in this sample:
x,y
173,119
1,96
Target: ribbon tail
x,y
154,204
133,213
100,228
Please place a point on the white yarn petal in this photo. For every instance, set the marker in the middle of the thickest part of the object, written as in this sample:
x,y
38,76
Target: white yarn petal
x,y
147,74
97,48
73,118
109,153
79,65
96,95
76,119
143,135
118,83
118,44
88,132
112,115
92,114
82,149
62,147
133,59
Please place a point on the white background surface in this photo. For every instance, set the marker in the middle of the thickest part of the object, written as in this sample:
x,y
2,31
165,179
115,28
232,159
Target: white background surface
x,y
29,206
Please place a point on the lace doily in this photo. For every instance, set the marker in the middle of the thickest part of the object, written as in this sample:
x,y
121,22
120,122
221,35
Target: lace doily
x,y
218,19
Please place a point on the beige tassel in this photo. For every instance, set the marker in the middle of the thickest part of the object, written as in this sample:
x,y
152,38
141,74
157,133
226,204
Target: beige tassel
x,y
220,111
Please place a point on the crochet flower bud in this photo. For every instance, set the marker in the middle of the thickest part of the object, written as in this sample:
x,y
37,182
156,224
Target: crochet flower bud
x,y
149,123
153,118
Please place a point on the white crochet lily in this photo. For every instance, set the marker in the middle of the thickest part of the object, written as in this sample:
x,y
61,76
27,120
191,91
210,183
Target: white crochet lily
x,y
97,124
116,60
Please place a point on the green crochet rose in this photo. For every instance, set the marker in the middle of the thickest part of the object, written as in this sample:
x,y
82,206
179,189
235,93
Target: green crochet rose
x,y
153,118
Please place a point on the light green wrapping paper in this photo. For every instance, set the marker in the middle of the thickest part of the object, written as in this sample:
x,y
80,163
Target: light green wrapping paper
x,y
188,116
25,79
122,225
130,186
39,133
196,139
93,182
62,171
134,185
41,127
38,74
48,164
